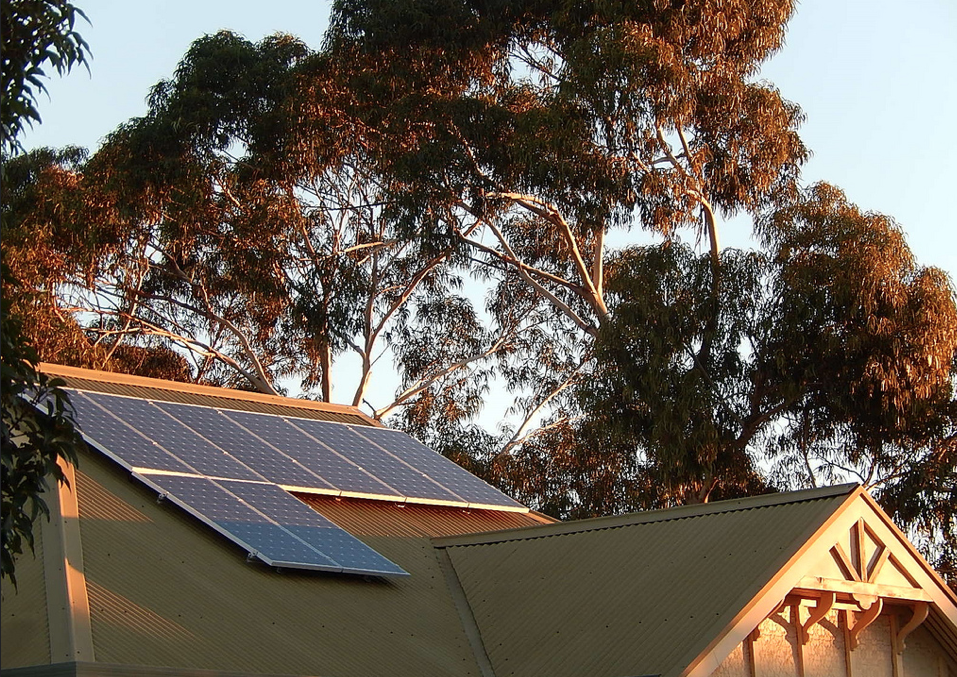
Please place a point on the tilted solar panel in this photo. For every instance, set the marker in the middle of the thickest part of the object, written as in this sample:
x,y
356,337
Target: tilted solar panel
x,y
261,536
254,451
351,554
376,461
272,525
437,466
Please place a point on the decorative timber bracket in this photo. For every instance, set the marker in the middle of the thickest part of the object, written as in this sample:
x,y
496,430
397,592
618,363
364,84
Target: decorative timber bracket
x,y
863,602
824,605
921,611
872,609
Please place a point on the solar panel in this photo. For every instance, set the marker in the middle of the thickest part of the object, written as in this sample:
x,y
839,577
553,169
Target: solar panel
x,y
241,444
250,529
346,550
437,466
126,445
375,460
231,469
333,468
200,455
271,524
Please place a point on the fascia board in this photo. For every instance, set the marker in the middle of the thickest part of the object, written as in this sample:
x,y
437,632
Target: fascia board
x,y
68,606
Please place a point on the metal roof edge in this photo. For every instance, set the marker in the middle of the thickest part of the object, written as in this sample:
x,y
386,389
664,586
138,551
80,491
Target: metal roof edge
x,y
175,386
97,669
646,517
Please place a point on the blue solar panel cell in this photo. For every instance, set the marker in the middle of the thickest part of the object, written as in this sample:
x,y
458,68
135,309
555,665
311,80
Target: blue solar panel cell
x,y
201,456
248,527
436,466
276,546
346,550
375,460
251,450
115,438
319,459
278,504
354,555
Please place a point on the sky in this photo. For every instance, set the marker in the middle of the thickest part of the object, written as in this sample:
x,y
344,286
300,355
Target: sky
x,y
875,78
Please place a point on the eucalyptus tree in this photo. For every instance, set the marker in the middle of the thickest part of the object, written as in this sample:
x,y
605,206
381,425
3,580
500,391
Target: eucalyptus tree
x,y
656,376
238,221
833,360
36,426
552,126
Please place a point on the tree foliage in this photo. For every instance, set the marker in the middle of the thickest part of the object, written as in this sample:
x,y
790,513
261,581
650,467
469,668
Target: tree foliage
x,y
557,128
36,431
279,208
237,221
37,426
658,376
35,33
834,357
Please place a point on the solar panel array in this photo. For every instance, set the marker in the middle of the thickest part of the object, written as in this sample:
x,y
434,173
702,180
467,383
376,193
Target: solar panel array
x,y
233,470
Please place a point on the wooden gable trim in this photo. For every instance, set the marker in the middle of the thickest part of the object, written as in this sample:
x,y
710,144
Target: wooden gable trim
x,y
68,606
774,592
859,514
941,590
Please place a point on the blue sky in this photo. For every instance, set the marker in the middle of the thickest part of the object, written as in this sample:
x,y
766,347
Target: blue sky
x,y
874,77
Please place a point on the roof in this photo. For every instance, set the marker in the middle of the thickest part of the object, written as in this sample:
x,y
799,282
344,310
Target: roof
x,y
140,586
165,591
608,596
207,396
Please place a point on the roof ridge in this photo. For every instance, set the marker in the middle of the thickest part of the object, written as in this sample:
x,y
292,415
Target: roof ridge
x,y
648,516
119,378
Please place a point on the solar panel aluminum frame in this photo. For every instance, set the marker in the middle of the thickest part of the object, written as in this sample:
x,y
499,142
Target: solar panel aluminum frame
x,y
252,552
429,501
116,458
163,495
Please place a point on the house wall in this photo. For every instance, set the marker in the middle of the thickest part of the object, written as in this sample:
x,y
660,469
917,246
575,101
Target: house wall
x,y
23,621
775,652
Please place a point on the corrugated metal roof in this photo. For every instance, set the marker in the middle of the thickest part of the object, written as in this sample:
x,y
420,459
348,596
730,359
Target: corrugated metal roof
x,y
609,596
223,398
165,591
382,518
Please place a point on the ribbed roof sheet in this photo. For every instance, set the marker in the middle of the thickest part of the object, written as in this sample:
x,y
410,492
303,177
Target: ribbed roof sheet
x,y
165,591
609,596
382,518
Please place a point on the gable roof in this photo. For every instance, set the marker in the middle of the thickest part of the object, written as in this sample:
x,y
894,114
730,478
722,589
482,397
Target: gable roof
x,y
668,592
164,591
131,583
